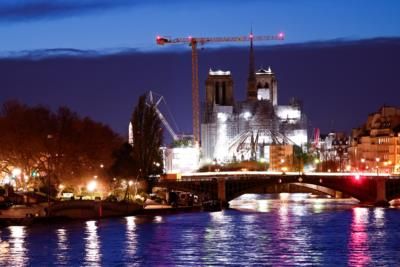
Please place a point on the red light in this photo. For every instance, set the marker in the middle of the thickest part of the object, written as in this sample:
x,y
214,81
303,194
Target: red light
x,y
281,35
158,37
190,37
251,36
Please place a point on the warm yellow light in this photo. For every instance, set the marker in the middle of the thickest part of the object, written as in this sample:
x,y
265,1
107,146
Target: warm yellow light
x,y
91,186
16,172
130,183
316,161
362,160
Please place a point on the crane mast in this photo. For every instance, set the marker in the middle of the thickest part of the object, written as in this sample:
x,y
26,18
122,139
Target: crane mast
x,y
152,102
193,42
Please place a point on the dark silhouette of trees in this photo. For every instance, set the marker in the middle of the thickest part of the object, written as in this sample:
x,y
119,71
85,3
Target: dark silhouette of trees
x,y
147,140
124,165
60,145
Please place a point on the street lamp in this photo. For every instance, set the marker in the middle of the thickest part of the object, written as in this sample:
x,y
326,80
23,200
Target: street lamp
x,y
91,186
377,165
16,172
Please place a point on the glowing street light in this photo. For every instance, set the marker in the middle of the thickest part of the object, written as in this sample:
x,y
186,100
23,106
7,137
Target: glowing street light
x,y
91,186
377,165
16,172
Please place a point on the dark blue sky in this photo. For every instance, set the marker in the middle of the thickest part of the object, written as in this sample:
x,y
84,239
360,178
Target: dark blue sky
x,y
340,57
99,24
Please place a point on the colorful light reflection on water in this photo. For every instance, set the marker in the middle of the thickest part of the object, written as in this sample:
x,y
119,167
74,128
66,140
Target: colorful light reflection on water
x,y
285,230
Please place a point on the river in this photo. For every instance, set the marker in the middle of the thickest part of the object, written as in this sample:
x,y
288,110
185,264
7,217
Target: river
x,y
259,230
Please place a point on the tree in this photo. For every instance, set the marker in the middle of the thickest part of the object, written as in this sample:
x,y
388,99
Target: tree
x,y
60,147
124,165
301,158
147,140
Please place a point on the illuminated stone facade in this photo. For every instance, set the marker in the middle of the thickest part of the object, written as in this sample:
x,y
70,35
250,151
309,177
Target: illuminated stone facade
x,y
244,130
375,146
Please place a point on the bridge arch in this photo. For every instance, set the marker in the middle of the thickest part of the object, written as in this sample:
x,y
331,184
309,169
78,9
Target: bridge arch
x,y
289,188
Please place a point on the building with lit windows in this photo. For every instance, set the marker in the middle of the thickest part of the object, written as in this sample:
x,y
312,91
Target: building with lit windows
x,y
375,146
245,130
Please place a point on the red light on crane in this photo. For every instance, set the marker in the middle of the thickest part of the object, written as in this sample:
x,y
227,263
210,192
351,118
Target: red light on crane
x,y
161,40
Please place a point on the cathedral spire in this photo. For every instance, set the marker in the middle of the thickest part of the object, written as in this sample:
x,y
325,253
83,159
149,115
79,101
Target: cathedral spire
x,y
251,58
251,80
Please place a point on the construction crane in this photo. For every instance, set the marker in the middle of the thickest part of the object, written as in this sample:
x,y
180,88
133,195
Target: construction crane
x,y
193,42
152,101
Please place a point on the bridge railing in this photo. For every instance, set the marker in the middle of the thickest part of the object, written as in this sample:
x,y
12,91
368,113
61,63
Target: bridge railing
x,y
232,175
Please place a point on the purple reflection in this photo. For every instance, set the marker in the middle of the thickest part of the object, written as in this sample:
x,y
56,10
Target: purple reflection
x,y
358,243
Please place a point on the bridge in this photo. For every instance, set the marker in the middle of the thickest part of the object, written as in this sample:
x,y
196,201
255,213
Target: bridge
x,y
368,188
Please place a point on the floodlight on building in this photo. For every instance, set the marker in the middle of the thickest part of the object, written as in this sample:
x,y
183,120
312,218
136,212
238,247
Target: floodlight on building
x,y
247,115
222,117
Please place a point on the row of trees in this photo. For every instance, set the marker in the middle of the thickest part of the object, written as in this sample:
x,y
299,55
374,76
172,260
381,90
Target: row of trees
x,y
60,145
71,150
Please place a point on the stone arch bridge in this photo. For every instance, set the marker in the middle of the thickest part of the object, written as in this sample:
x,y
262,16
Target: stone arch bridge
x,y
225,186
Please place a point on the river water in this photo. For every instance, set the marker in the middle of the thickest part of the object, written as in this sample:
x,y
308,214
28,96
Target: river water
x,y
287,230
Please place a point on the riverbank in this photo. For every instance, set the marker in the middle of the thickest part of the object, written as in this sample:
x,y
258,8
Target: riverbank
x,y
154,210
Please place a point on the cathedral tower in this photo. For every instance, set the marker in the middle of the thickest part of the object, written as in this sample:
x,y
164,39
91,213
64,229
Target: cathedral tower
x,y
219,88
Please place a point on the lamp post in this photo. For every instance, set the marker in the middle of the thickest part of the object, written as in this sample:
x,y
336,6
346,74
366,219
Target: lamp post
x,y
282,164
377,165
362,164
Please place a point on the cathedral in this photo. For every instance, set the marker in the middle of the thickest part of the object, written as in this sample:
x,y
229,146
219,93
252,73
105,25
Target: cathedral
x,y
248,130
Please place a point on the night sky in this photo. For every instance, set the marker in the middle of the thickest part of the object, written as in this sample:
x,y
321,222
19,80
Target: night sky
x,y
341,58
